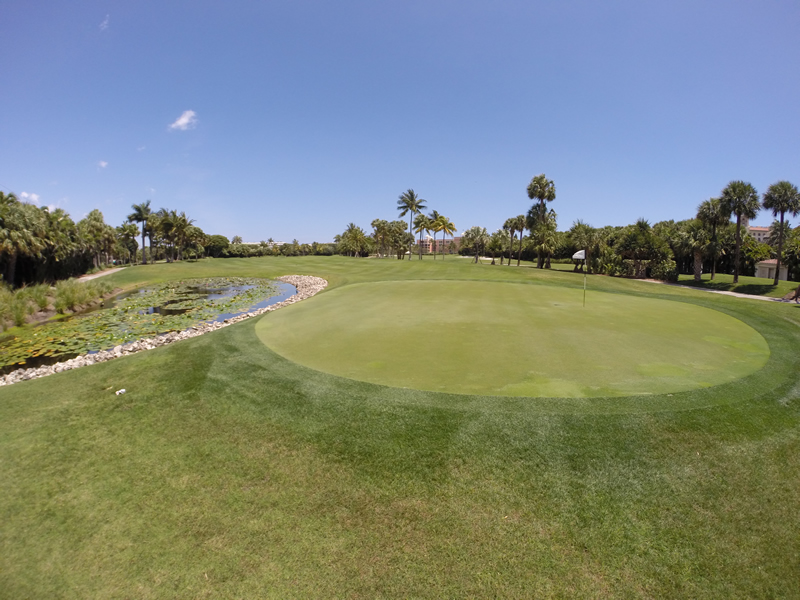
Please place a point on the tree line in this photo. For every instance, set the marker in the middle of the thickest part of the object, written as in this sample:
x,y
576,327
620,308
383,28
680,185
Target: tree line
x,y
392,238
710,241
38,244
44,245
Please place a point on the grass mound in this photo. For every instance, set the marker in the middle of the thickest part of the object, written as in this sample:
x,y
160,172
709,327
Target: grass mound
x,y
505,339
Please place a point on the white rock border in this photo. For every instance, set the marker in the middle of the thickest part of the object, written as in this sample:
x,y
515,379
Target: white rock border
x,y
306,286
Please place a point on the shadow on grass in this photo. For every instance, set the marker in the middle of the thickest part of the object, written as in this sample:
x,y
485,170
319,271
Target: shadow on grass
x,y
755,290
752,289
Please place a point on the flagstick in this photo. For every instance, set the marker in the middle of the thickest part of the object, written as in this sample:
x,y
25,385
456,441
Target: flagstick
x,y
584,285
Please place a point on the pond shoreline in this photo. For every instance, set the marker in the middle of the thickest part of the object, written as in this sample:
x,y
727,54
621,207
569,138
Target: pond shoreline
x,y
306,285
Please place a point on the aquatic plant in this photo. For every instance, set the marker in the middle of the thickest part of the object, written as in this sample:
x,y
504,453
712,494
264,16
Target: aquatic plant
x,y
173,306
21,307
6,298
40,295
70,294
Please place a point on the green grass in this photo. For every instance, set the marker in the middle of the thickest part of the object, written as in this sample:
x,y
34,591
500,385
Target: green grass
x,y
229,471
756,286
526,340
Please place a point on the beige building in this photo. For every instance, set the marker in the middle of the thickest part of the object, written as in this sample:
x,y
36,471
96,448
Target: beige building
x,y
766,269
429,245
760,233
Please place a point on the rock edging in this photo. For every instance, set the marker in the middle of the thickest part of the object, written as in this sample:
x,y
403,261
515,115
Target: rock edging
x,y
306,286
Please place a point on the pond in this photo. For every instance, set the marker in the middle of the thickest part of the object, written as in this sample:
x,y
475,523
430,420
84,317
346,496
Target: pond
x,y
149,311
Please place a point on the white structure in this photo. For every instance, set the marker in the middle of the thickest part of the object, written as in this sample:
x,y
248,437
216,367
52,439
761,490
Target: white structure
x,y
766,269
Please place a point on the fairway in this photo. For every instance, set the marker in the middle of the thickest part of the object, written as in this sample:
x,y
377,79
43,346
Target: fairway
x,y
509,339
229,471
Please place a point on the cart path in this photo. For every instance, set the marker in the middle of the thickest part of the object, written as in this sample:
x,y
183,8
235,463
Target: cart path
x,y
100,274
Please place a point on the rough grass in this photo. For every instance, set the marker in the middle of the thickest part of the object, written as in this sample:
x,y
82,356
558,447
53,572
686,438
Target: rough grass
x,y
228,471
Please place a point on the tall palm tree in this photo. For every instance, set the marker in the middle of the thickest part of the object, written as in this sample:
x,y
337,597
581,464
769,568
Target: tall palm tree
x,y
741,199
780,198
712,214
409,203
542,190
421,223
433,219
510,226
544,239
521,224
139,215
447,227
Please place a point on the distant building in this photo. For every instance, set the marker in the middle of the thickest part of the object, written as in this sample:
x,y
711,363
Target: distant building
x,y
761,234
766,269
429,245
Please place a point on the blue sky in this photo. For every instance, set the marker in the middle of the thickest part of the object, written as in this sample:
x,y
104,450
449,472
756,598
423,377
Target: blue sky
x,y
308,115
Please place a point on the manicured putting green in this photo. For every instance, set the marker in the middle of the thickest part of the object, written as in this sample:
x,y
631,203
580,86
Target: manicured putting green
x,y
513,339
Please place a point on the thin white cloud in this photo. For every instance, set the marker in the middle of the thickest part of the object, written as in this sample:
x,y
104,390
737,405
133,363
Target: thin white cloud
x,y
151,190
104,24
187,120
102,164
140,148
33,198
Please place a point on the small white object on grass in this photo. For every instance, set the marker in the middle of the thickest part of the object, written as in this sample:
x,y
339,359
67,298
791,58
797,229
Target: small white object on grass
x,y
118,392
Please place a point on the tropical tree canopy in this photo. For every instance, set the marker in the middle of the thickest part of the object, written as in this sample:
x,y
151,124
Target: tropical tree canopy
x,y
141,213
781,198
543,190
409,203
714,216
741,199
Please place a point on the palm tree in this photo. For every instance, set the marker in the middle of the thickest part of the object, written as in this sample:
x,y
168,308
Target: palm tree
x,y
712,214
510,226
421,223
126,234
447,227
781,197
496,243
410,204
181,225
477,237
543,190
694,238
22,232
433,219
520,225
380,232
741,199
61,242
581,235
543,234
139,215
354,240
